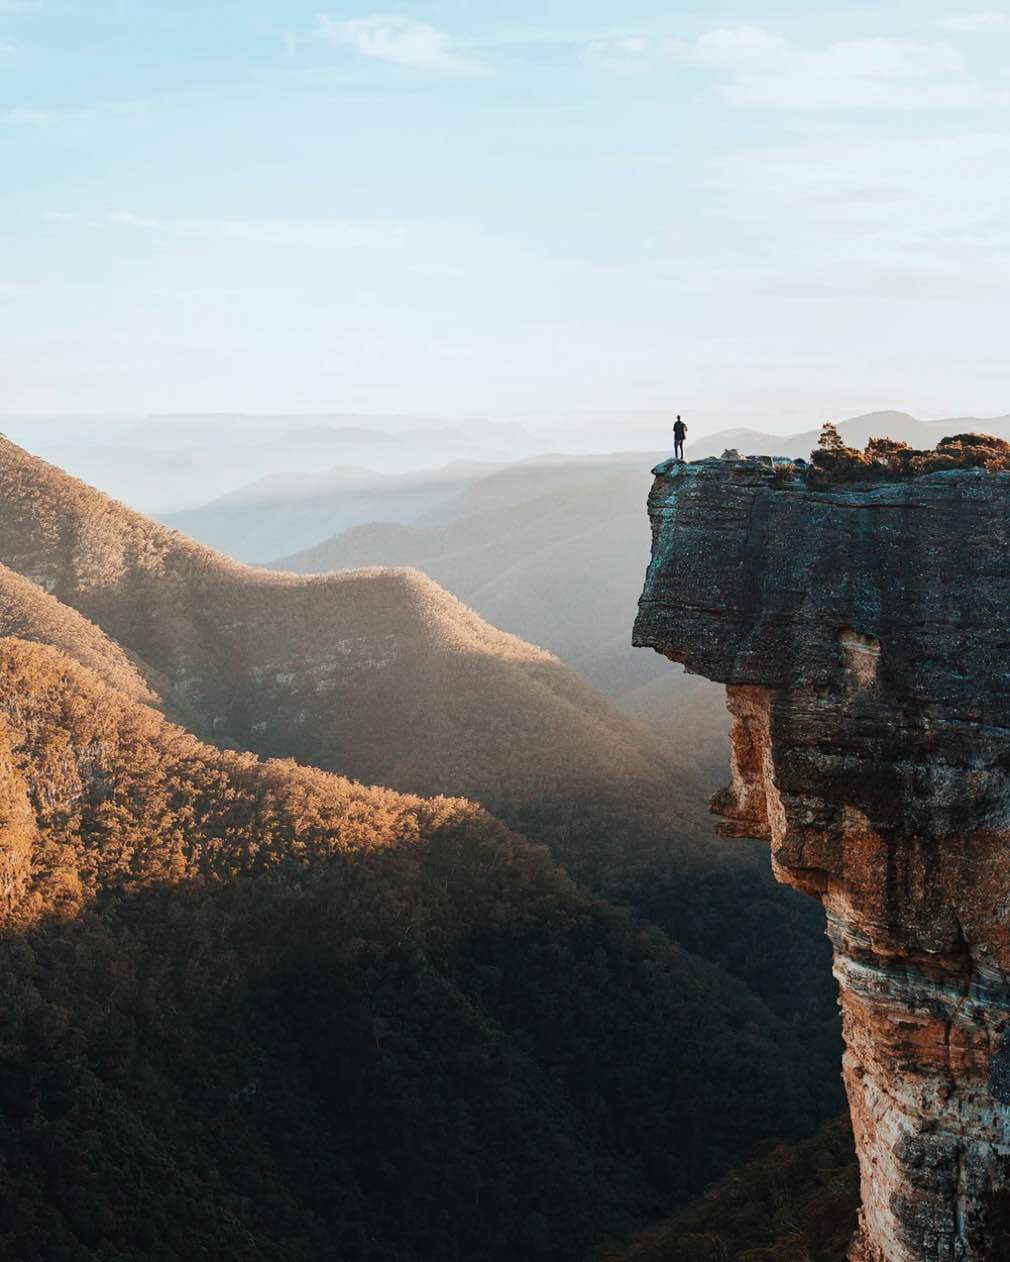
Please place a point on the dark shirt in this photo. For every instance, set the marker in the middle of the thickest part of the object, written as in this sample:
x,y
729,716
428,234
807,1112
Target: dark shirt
x,y
679,430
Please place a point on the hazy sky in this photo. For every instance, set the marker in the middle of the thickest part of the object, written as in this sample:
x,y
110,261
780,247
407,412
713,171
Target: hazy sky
x,y
775,211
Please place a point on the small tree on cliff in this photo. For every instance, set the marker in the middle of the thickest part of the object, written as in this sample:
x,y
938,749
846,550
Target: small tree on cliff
x,y
830,441
834,461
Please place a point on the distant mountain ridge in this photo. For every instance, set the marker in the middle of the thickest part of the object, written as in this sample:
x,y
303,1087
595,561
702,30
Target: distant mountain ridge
x,y
554,548
514,537
555,552
247,522
174,463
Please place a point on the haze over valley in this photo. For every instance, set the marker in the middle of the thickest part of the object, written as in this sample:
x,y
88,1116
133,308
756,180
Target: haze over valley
x,y
127,833
503,606
547,545
195,709
457,636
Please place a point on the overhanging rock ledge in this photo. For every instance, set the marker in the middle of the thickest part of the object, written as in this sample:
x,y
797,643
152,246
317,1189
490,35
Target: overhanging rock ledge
x,y
863,635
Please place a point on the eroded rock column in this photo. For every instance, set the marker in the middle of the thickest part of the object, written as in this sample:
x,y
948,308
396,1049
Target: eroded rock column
x,y
864,639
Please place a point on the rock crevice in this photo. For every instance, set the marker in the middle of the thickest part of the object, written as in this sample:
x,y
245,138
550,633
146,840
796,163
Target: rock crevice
x,y
863,636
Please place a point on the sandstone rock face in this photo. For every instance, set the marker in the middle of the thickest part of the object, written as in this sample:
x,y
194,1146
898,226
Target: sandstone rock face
x,y
864,639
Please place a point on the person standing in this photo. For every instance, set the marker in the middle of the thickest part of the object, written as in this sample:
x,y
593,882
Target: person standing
x,y
679,434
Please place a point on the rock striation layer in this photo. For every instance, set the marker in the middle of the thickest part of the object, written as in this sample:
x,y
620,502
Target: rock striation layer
x,y
863,636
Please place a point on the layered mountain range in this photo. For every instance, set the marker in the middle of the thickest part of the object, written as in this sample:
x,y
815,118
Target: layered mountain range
x,y
171,463
553,551
377,673
383,676
254,1009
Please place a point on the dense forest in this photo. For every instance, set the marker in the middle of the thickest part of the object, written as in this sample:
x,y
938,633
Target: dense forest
x,y
793,1203
383,676
255,1009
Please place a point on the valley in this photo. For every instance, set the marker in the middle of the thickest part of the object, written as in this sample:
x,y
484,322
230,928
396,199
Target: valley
x,y
285,937
534,892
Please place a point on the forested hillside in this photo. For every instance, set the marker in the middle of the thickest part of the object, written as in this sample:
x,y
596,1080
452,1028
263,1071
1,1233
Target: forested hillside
x,y
265,656
29,613
382,676
559,563
257,1011
555,552
793,1203
560,567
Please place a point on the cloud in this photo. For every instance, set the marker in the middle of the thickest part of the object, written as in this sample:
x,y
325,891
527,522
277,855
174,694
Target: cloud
x,y
839,214
26,116
760,68
341,234
633,44
979,23
763,69
335,233
31,116
740,48
620,53
397,39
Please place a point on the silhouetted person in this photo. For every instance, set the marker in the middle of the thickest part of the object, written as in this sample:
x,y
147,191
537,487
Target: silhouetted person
x,y
679,434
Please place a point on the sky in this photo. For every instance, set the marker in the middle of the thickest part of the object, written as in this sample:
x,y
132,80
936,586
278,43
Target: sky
x,y
749,213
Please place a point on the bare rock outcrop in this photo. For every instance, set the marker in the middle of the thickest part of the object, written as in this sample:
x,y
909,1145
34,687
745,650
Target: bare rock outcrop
x,y
864,639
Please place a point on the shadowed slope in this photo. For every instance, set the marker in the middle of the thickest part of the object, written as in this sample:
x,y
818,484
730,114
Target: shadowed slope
x,y
31,614
553,563
558,565
108,783
256,1011
795,1203
381,675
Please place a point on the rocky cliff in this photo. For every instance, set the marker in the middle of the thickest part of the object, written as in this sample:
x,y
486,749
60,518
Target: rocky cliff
x,y
864,639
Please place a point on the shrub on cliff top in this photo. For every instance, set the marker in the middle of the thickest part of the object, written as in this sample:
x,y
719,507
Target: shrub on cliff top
x,y
886,460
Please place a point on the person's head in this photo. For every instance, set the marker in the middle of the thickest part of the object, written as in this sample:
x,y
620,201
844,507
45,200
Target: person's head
x,y
678,416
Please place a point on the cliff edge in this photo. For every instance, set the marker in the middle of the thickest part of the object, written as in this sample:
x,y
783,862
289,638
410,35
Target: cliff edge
x,y
863,634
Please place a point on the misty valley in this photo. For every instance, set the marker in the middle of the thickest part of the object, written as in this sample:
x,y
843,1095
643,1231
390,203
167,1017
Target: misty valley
x,y
360,894
504,616
514,1001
